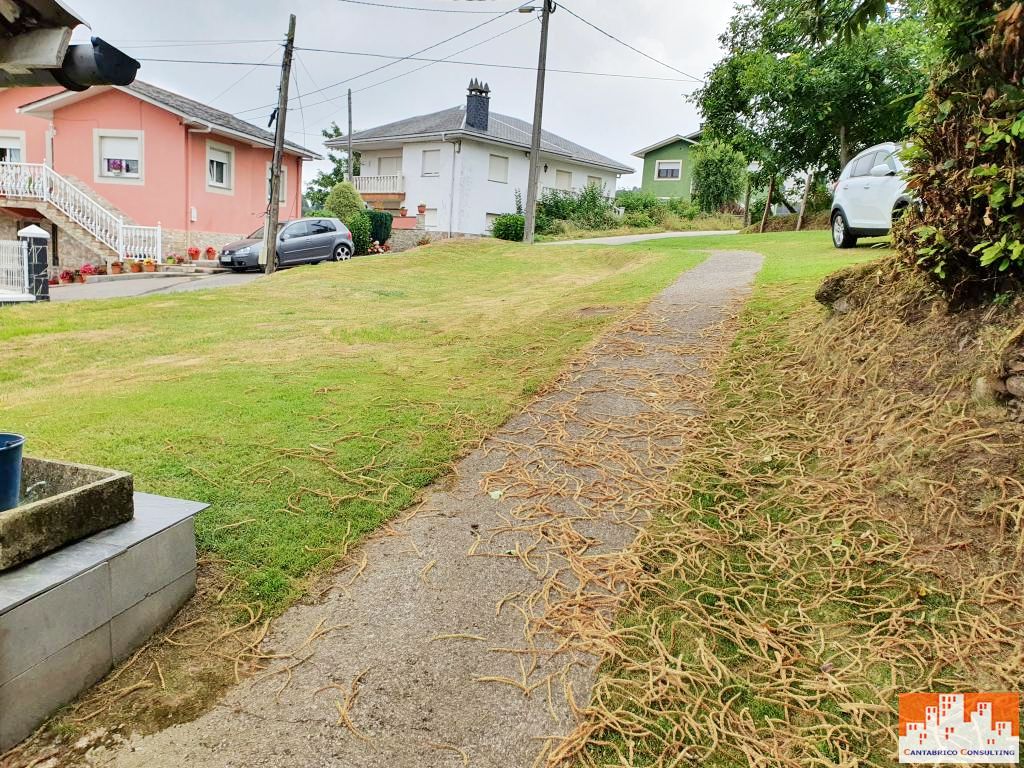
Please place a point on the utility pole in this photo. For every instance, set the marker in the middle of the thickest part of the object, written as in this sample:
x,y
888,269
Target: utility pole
x,y
351,162
274,205
538,116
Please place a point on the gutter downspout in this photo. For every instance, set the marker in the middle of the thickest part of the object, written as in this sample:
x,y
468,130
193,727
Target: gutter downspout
x,y
188,179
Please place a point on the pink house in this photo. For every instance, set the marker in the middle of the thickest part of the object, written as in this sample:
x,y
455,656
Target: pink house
x,y
135,171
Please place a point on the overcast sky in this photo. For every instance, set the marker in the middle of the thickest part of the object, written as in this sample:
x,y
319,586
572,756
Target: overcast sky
x,y
614,116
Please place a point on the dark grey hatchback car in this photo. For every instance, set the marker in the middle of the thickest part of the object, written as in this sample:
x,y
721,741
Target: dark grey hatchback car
x,y
302,241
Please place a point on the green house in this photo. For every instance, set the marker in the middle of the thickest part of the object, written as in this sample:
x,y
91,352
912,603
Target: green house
x,y
668,170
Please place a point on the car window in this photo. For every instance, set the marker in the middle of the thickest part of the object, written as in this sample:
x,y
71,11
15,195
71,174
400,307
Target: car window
x,y
298,229
863,165
321,227
887,158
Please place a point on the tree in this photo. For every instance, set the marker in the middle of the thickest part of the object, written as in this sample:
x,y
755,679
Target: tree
x,y
967,156
719,175
320,187
793,106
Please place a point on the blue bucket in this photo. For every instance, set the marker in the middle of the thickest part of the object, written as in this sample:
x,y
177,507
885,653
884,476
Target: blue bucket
x,y
10,469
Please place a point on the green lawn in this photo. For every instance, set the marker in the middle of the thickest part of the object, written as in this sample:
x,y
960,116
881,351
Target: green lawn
x,y
310,407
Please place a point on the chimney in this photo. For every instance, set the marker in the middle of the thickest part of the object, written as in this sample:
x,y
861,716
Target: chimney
x,y
478,106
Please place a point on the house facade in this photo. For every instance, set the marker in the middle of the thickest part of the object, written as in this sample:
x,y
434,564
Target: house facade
x,y
668,167
466,164
134,172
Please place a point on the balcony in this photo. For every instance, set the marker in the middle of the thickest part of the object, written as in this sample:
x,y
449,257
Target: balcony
x,y
380,185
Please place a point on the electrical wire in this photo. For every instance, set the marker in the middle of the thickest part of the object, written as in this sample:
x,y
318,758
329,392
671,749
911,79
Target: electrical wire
x,y
570,11
243,77
413,8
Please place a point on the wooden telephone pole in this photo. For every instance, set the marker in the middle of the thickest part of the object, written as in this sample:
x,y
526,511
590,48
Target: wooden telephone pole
x,y
274,204
351,162
538,118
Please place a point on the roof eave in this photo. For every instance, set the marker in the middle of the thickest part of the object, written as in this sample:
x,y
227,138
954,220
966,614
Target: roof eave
x,y
641,153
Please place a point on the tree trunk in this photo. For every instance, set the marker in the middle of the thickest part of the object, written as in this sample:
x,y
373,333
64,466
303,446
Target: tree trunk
x,y
746,205
803,202
767,204
844,149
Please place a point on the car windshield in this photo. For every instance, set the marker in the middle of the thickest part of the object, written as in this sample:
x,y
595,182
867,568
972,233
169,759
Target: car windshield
x,y
258,234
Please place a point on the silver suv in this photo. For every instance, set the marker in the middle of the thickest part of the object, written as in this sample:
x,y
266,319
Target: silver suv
x,y
870,194
302,241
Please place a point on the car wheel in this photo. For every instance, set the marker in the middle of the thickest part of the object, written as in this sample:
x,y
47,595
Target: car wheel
x,y
342,252
841,237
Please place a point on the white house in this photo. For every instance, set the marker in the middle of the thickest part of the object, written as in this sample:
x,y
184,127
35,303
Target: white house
x,y
466,164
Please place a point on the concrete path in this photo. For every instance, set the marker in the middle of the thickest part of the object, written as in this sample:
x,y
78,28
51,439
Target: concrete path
x,y
462,635
121,289
627,239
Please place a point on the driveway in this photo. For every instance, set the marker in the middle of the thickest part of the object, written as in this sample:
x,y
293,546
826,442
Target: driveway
x,y
122,289
627,239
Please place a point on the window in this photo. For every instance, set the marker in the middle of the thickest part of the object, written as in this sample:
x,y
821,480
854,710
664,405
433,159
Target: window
x,y
595,181
298,229
431,162
321,227
490,220
497,169
862,166
119,156
563,180
284,182
11,149
220,167
392,166
668,169
431,218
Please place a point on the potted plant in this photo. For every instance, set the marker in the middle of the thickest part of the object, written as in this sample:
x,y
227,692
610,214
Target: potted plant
x,y
66,277
87,271
53,281
421,208
193,253
211,253
116,268
171,259
149,265
134,266
403,211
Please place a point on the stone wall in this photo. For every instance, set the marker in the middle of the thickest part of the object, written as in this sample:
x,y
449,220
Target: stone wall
x,y
178,241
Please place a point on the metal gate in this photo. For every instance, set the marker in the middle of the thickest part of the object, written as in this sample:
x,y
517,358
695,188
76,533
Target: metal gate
x,y
14,279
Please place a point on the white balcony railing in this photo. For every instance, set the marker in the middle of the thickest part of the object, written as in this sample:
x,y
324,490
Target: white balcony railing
x,y
380,184
38,182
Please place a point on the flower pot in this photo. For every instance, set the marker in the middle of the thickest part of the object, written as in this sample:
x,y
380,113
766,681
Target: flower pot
x,y
149,267
421,209
79,278
66,281
10,469
403,212
135,267
116,269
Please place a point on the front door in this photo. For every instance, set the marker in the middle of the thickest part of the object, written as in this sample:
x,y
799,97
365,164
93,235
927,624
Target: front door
x,y
294,243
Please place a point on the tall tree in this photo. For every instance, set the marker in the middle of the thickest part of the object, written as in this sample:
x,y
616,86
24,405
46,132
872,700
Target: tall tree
x,y
320,187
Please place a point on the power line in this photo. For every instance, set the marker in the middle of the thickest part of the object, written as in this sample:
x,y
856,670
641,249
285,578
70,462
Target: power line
x,y
253,64
623,42
243,77
190,43
391,64
414,8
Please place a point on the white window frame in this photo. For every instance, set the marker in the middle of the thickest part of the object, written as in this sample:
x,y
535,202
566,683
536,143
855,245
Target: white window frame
x,y
228,187
16,137
596,181
284,182
423,164
116,133
657,170
490,168
432,218
563,171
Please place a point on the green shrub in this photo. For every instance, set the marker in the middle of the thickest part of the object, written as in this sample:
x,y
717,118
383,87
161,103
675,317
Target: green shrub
x,y
588,209
509,226
719,175
638,219
323,214
683,208
637,201
344,201
360,227
380,226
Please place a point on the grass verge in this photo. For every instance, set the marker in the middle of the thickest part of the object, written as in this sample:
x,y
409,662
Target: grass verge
x,y
703,223
849,528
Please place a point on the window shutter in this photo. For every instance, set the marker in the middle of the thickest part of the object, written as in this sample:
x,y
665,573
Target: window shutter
x,y
119,147
431,162
498,169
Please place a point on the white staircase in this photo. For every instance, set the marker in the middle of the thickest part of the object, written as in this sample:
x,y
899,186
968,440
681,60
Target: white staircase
x,y
41,184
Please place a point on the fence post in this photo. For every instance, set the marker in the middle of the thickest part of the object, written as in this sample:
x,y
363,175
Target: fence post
x,y
34,252
46,184
120,240
159,243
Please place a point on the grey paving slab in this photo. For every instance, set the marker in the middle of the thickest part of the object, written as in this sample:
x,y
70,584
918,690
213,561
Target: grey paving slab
x,y
30,697
39,628
148,566
131,628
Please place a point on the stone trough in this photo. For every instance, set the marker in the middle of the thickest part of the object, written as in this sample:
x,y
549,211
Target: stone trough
x,y
75,501
88,572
